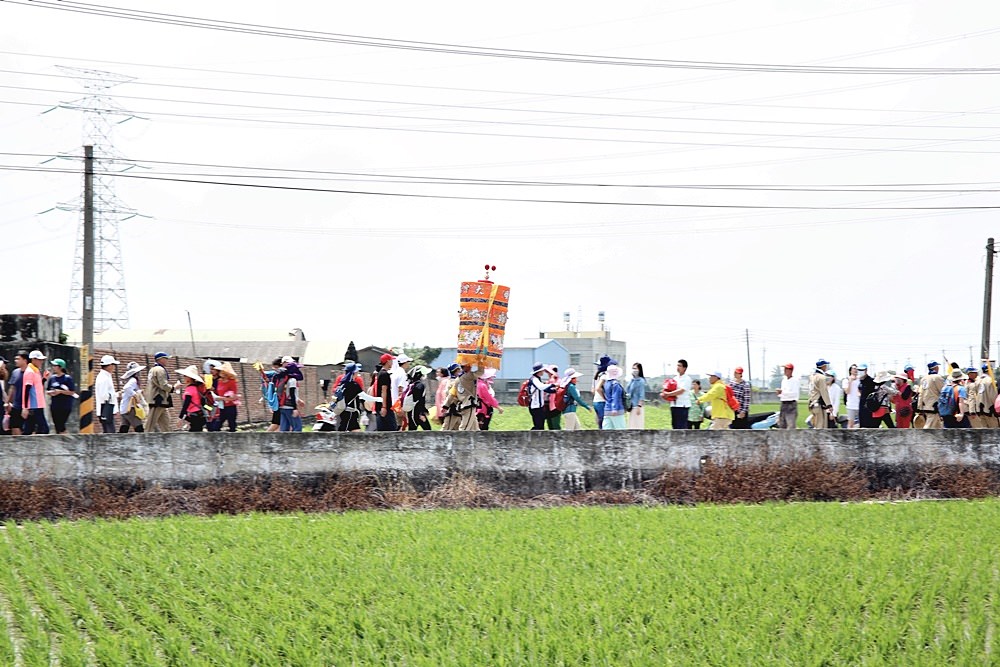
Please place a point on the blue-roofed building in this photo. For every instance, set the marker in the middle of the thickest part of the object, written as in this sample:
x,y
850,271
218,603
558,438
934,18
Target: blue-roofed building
x,y
518,359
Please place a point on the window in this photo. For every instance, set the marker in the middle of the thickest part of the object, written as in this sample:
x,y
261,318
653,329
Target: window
x,y
574,360
513,385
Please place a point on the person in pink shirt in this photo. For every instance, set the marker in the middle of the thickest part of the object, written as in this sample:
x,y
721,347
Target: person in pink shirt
x,y
33,410
487,399
441,394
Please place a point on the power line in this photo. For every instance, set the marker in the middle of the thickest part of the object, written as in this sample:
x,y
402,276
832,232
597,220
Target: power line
x,y
532,94
425,130
479,107
476,121
478,51
983,207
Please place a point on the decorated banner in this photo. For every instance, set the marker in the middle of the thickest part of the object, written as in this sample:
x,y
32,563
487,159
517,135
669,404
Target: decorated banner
x,y
482,318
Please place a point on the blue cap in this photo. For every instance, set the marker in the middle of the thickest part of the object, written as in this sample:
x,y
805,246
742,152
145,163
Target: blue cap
x,y
822,362
971,369
932,364
537,367
986,367
454,367
908,367
862,367
160,355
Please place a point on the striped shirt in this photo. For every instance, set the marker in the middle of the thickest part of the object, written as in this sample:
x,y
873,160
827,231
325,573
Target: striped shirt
x,y
741,390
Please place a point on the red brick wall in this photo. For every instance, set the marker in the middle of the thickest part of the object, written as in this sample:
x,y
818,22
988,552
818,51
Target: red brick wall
x,y
247,378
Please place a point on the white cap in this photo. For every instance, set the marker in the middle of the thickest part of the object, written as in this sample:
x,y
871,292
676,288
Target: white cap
x,y
286,360
35,354
403,358
108,360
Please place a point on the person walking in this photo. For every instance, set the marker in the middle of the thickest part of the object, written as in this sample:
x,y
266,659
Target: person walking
x,y
573,399
347,388
228,391
105,396
487,399
695,414
742,392
614,395
15,394
538,391
553,415
385,418
930,389
290,416
680,398
852,396
467,392
599,398
61,390
637,394
788,395
902,401
959,418
716,397
441,394
819,396
4,376
987,397
193,403
159,394
34,397
836,398
133,406
414,401
866,387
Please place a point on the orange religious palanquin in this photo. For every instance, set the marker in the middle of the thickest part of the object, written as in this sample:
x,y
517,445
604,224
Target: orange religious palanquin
x,y
482,318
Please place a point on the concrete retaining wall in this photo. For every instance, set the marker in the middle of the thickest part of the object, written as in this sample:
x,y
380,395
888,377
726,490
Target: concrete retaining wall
x,y
523,462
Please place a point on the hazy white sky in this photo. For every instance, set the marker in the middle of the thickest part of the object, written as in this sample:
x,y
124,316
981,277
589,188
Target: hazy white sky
x,y
883,286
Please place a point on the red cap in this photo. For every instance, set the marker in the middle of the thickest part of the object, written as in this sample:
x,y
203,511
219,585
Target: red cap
x,y
738,369
385,358
790,366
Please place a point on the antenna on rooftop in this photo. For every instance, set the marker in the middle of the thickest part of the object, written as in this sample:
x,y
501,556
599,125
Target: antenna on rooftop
x,y
566,320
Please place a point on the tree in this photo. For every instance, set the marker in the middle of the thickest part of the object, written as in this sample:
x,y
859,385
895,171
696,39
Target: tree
x,y
777,373
352,352
422,356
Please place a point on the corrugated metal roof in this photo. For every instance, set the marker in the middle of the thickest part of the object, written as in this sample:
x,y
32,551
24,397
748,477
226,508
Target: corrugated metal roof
x,y
182,335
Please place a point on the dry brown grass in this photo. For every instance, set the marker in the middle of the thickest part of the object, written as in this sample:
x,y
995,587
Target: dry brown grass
x,y
812,479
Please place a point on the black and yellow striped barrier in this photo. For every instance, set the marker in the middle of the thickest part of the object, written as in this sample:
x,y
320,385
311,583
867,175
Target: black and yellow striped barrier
x,y
86,393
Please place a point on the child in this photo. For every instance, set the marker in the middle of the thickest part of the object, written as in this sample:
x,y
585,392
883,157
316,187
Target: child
x,y
696,413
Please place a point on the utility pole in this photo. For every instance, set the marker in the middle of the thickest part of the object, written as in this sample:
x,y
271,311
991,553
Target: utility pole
x,y
763,367
748,358
87,320
987,299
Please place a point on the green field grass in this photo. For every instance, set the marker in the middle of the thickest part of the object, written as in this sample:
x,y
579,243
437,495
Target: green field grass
x,y
516,418
796,584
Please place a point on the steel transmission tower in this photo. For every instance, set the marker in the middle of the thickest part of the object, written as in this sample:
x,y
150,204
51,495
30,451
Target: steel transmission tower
x,y
101,113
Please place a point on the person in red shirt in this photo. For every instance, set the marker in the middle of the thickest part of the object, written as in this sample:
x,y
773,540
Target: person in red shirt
x,y
228,392
192,410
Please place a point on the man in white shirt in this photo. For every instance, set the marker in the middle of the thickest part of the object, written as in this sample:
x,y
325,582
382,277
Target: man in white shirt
x,y
682,402
105,396
789,397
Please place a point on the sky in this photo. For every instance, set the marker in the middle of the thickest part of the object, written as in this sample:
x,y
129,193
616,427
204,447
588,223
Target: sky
x,y
692,275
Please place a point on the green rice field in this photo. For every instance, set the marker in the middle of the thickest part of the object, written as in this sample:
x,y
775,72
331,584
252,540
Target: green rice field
x,y
790,584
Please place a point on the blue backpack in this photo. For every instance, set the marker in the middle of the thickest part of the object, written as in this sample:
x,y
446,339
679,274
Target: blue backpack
x,y
947,404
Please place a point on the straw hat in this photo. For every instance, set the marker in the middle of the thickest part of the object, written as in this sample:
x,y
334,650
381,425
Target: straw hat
x,y
133,368
227,369
882,376
192,372
957,375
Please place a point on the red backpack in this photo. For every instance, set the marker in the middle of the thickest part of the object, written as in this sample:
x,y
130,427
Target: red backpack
x,y
524,394
731,399
562,399
670,385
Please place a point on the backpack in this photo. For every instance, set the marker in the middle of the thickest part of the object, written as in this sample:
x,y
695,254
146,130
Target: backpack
x,y
947,403
626,400
563,399
731,399
874,400
524,394
670,385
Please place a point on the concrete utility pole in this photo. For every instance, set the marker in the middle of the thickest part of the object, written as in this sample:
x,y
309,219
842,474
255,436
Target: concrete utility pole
x,y
748,358
987,300
87,320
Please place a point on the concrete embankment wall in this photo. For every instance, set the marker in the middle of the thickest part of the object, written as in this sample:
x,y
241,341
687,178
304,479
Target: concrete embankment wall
x,y
523,463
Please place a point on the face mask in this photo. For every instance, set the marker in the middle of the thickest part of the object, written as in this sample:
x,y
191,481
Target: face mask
x,y
635,373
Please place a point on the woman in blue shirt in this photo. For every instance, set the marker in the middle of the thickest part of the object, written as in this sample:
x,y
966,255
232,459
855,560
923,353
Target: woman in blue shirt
x,y
637,394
